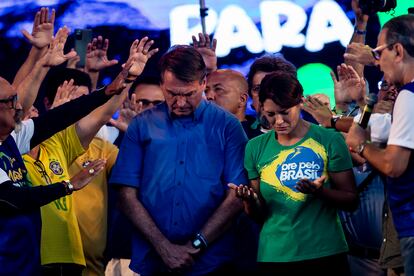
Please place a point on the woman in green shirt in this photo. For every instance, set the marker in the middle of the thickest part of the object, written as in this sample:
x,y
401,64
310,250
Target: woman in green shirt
x,y
300,174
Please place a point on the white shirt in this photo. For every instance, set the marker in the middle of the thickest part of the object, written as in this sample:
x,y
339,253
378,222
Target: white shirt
x,y
402,128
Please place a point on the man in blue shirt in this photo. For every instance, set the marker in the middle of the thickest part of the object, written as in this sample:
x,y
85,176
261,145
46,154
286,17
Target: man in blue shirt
x,y
173,168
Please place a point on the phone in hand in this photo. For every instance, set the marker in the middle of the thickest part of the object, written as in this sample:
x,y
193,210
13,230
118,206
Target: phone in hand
x,y
82,38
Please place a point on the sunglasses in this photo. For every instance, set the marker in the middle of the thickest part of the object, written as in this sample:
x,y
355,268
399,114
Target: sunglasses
x,y
146,102
12,100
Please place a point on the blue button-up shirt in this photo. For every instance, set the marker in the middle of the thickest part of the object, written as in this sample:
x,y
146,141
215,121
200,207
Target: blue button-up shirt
x,y
182,166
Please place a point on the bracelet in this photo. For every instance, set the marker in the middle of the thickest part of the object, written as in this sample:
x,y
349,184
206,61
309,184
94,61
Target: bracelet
x,y
68,187
360,32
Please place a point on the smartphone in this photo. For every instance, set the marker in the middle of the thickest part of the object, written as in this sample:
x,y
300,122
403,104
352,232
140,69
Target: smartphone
x,y
82,38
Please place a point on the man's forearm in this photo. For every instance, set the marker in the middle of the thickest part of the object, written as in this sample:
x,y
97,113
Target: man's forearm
x,y
391,161
65,115
34,55
27,198
140,217
29,86
222,217
88,126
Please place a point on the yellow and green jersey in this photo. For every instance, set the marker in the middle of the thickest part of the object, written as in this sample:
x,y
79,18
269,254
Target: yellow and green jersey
x,y
299,226
60,239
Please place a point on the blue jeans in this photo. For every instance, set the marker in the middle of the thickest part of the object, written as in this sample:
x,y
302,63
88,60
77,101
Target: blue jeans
x,y
407,251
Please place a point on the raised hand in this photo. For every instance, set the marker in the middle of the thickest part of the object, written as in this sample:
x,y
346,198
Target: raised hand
x,y
359,53
139,54
207,50
96,55
129,110
65,93
341,98
82,178
352,83
42,32
307,186
73,61
55,56
360,18
318,110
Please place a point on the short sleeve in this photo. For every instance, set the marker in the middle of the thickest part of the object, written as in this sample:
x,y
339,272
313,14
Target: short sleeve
x,y
127,168
23,134
339,158
402,131
3,177
70,142
234,153
250,162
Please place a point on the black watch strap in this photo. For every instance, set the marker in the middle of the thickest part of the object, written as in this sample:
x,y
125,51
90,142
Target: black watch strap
x,y
199,242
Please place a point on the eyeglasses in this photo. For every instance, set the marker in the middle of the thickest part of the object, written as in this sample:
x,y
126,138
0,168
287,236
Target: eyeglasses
x,y
12,100
146,102
376,53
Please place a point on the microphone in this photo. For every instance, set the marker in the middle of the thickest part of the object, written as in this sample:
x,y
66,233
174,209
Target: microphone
x,y
366,112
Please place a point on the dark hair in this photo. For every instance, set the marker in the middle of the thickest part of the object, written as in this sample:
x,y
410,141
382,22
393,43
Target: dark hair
x,y
269,63
400,29
185,62
282,88
56,76
144,79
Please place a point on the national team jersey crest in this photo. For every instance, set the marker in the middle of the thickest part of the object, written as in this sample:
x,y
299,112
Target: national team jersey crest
x,y
56,167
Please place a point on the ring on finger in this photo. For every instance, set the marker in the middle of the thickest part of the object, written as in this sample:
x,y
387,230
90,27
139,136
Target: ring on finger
x,y
91,171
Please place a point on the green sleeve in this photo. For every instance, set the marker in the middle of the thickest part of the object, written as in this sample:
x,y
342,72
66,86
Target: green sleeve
x,y
250,162
338,154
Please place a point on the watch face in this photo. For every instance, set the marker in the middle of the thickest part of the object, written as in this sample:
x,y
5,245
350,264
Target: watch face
x,y
196,243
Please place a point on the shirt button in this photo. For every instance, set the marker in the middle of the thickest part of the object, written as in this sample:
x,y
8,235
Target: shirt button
x,y
175,223
179,183
177,204
181,162
385,215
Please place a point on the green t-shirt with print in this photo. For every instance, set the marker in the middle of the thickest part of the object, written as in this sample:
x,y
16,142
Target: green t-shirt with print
x,y
298,226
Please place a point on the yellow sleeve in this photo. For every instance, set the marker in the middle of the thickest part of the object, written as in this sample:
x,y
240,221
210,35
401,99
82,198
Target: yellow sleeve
x,y
71,143
110,153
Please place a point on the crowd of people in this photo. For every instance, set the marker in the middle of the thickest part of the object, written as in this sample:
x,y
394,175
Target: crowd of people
x,y
167,175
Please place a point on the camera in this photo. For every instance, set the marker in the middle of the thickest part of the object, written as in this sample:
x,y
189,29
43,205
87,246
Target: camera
x,y
374,6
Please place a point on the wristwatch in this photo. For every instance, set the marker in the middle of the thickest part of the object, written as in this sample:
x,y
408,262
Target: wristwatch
x,y
199,242
68,186
360,148
334,119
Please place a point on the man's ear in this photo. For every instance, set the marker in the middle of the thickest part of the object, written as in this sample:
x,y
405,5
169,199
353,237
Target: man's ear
x,y
243,99
399,52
